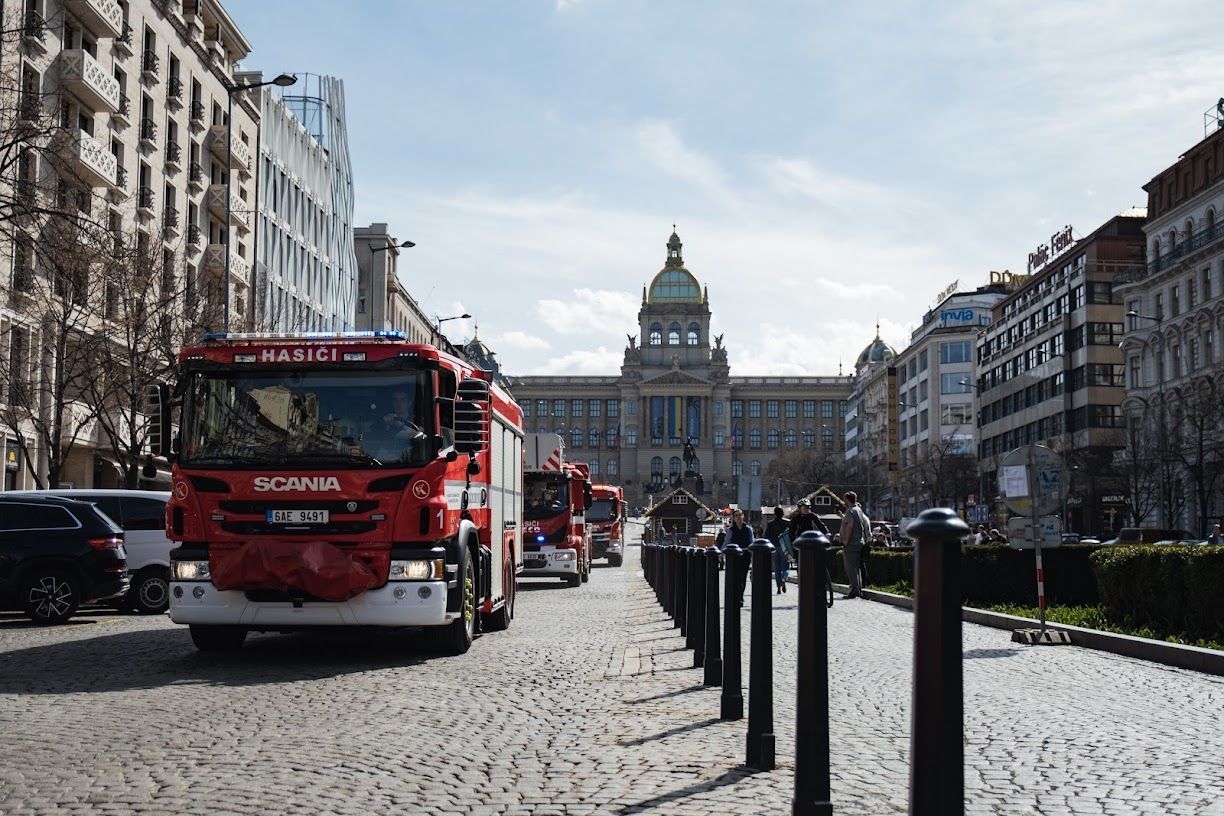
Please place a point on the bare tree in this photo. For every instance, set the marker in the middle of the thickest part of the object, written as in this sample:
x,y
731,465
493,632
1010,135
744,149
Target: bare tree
x,y
802,470
1196,443
944,474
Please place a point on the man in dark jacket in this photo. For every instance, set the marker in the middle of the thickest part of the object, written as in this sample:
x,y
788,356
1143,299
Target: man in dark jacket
x,y
781,557
741,534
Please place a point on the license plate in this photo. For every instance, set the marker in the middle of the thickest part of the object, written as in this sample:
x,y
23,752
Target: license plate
x,y
297,516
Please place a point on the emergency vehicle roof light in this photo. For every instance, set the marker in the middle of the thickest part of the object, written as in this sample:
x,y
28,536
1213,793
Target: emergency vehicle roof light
x,y
379,334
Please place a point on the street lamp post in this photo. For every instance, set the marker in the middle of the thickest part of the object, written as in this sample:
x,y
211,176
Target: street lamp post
x,y
373,250
1161,441
282,81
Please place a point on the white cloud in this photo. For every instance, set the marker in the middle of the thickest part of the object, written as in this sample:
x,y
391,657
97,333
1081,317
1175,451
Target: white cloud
x,y
600,361
519,340
589,312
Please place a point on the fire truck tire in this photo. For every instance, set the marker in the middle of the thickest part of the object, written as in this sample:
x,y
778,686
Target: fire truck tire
x,y
586,572
456,637
615,560
499,619
217,638
572,580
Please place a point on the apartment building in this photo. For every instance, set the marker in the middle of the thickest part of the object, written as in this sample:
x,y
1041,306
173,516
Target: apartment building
x,y
137,94
675,391
1174,307
872,437
306,266
1049,369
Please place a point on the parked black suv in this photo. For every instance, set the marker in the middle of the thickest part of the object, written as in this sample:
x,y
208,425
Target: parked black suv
x,y
56,554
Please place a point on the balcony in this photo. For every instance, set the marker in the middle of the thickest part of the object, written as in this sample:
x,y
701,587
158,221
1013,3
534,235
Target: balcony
x,y
174,93
197,114
144,201
195,177
174,157
97,166
237,207
103,18
193,235
34,31
85,77
214,261
1200,239
241,154
149,63
122,117
148,134
171,223
121,183
123,43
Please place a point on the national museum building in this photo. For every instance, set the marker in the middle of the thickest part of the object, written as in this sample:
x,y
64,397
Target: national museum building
x,y
675,388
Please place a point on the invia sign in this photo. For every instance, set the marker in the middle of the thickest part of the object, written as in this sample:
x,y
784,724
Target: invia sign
x,y
958,317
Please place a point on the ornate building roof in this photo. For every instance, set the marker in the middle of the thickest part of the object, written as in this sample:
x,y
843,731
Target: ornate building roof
x,y
877,351
674,283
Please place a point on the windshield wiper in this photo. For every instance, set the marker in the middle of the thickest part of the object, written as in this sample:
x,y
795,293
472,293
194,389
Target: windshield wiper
x,y
332,456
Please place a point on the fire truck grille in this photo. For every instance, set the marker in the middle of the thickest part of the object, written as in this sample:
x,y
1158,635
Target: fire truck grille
x,y
257,508
263,528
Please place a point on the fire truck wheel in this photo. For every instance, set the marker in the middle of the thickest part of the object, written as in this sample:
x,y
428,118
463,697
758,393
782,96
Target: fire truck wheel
x,y
499,620
456,637
217,638
615,560
572,580
586,573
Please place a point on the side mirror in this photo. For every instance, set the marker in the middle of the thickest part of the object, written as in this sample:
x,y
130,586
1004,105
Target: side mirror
x,y
587,497
471,427
158,402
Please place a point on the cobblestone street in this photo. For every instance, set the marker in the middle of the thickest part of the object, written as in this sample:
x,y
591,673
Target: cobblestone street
x,y
586,705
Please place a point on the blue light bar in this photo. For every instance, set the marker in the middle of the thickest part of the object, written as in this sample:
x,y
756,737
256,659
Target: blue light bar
x,y
378,334
539,538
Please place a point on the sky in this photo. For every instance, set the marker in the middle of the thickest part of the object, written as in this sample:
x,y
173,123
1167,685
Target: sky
x,y
827,166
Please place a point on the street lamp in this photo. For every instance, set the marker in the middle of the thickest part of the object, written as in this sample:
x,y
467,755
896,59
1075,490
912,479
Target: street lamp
x,y
440,320
1162,442
283,81
401,245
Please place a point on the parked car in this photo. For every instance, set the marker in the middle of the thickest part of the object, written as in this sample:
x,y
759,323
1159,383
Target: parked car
x,y
142,515
56,554
1146,535
1184,542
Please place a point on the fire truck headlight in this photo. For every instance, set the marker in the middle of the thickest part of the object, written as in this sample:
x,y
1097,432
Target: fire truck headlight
x,y
564,555
190,571
416,570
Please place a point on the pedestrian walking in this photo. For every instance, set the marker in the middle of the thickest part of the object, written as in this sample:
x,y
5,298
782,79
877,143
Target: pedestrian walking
x,y
855,535
778,533
980,535
741,534
1216,539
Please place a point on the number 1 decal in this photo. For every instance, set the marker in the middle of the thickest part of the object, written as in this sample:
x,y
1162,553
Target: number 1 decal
x,y
440,514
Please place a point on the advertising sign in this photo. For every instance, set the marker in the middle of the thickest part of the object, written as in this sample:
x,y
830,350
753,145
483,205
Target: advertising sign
x,y
1020,532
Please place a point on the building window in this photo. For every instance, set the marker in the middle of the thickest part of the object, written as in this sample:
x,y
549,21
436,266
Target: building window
x,y
826,409
576,408
737,409
754,438
613,408
673,334
594,464
673,466
594,437
809,409
791,438
611,435
719,439
1158,305
755,467
541,408
954,384
826,438
956,414
559,407
631,437
525,405
613,467
576,438
1175,300
737,467
754,409
771,439
922,360
718,408
791,409
957,352
630,408
656,468
694,334
594,406
771,409
1135,382
809,438
656,334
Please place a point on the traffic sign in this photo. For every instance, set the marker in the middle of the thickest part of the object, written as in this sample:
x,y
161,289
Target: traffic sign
x,y
1030,480
1020,532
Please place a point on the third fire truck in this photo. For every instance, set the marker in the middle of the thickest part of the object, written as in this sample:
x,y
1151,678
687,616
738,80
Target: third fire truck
x,y
556,496
606,522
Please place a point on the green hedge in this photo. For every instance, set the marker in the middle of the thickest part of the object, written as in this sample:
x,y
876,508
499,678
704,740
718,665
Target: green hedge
x,y
995,574
1172,590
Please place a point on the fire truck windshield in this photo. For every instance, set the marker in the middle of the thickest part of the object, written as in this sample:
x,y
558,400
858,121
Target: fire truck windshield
x,y
307,419
602,510
545,497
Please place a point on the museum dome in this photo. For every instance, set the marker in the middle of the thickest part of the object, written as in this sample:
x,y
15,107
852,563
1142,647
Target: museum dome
x,y
877,351
674,283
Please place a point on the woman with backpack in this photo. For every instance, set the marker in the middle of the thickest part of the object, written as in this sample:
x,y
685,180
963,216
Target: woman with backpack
x,y
778,533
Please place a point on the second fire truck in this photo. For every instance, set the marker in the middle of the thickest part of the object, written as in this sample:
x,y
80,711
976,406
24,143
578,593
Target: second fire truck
x,y
606,521
556,496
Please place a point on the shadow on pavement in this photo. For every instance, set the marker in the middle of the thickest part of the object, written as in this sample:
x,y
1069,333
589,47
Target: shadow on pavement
x,y
155,658
537,587
728,778
671,732
974,654
667,694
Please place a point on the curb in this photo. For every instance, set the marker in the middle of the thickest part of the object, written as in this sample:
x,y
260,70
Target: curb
x,y
1194,658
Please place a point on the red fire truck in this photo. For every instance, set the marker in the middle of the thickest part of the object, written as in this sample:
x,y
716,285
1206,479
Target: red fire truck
x,y
556,495
606,521
339,480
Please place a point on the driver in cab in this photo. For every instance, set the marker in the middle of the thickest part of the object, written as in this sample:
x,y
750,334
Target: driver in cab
x,y
399,420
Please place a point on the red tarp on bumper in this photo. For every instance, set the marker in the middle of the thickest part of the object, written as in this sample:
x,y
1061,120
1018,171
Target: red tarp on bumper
x,y
317,568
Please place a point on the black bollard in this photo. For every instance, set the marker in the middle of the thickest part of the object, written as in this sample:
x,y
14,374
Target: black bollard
x,y
682,589
937,761
713,662
696,608
812,791
760,753
669,561
690,614
732,702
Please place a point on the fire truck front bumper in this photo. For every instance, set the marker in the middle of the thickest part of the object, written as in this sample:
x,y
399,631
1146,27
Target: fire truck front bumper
x,y
549,564
398,603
